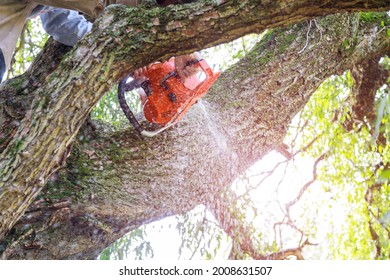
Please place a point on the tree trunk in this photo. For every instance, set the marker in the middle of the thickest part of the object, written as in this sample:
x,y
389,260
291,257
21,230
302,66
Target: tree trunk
x,y
112,184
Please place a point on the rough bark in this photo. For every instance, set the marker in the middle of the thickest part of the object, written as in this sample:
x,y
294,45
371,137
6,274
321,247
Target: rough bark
x,y
245,117
368,78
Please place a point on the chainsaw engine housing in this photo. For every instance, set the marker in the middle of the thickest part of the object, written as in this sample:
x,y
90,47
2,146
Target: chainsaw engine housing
x,y
167,97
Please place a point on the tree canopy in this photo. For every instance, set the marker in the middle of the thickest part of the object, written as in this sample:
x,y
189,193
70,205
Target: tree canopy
x,y
285,157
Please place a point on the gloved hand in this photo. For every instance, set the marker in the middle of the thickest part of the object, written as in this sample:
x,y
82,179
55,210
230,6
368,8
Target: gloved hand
x,y
181,63
183,69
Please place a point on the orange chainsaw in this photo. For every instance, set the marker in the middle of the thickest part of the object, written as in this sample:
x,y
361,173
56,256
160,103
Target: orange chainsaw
x,y
166,98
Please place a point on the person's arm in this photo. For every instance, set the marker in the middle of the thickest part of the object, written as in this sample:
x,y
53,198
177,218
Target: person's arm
x,y
66,26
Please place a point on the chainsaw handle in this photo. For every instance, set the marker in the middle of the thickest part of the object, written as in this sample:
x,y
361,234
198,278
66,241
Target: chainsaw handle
x,y
195,63
202,64
210,75
192,62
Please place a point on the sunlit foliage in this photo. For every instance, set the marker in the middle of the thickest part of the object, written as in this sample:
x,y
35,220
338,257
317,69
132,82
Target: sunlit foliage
x,y
29,45
353,175
134,245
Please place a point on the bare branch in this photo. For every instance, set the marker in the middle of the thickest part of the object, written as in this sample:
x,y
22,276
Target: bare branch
x,y
307,185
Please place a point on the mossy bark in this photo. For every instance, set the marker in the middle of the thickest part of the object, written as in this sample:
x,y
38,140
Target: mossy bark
x,y
113,184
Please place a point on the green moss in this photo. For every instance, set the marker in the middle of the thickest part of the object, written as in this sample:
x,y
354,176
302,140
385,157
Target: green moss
x,y
237,104
116,154
264,59
17,84
266,54
288,39
65,185
18,146
44,102
267,48
53,76
372,17
346,45
79,161
59,189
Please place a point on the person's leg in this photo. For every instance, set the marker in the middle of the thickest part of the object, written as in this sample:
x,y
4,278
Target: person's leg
x,y
66,26
13,14
89,7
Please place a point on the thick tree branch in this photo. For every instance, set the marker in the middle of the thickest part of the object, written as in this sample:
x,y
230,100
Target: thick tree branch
x,y
16,94
368,77
175,33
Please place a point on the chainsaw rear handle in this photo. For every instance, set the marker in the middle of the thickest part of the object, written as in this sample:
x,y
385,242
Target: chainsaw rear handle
x,y
195,63
192,62
206,69
202,64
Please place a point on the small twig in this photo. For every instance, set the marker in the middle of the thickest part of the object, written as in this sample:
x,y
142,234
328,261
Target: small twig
x,y
307,185
22,42
318,28
204,220
304,149
267,175
300,128
307,39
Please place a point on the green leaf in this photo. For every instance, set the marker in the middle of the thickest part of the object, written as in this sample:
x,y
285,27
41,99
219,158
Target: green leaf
x,y
385,174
